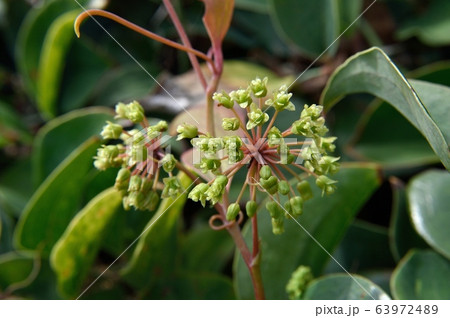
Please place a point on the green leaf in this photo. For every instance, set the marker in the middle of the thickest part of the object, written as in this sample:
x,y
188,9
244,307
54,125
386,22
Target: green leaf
x,y
54,203
206,250
260,6
349,12
31,36
298,20
154,256
56,140
6,232
429,202
365,246
12,129
52,61
74,253
201,286
372,71
421,275
14,269
402,235
397,146
432,27
325,218
344,287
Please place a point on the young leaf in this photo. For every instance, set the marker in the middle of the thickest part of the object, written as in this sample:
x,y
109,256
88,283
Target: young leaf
x,y
217,19
358,75
74,253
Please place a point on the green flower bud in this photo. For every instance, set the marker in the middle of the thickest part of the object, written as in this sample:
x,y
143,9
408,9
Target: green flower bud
x,y
278,226
312,111
168,162
151,201
232,142
172,187
242,97
122,179
152,133
290,158
274,209
328,165
251,208
121,110
326,184
305,190
298,282
125,204
281,100
223,99
256,117
133,112
296,204
135,183
230,124
161,125
235,156
146,185
136,199
209,165
274,137
107,157
187,131
111,131
216,190
265,172
283,187
270,184
198,193
233,211
327,144
259,87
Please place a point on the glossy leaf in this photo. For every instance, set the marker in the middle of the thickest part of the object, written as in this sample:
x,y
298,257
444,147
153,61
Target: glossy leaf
x,y
56,140
52,61
325,218
74,253
429,202
297,20
402,235
344,287
151,260
432,27
14,268
358,74
421,275
54,203
217,19
6,232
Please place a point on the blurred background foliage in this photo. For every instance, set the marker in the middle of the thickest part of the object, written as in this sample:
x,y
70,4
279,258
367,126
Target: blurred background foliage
x,y
61,225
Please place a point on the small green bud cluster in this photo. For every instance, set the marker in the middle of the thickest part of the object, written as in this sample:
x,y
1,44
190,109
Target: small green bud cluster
x,y
298,282
140,157
212,192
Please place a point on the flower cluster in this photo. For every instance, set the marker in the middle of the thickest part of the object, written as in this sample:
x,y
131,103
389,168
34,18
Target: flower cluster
x,y
140,157
267,153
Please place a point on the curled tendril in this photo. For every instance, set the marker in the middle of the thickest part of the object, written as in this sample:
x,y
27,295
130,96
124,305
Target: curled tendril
x,y
225,224
96,12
